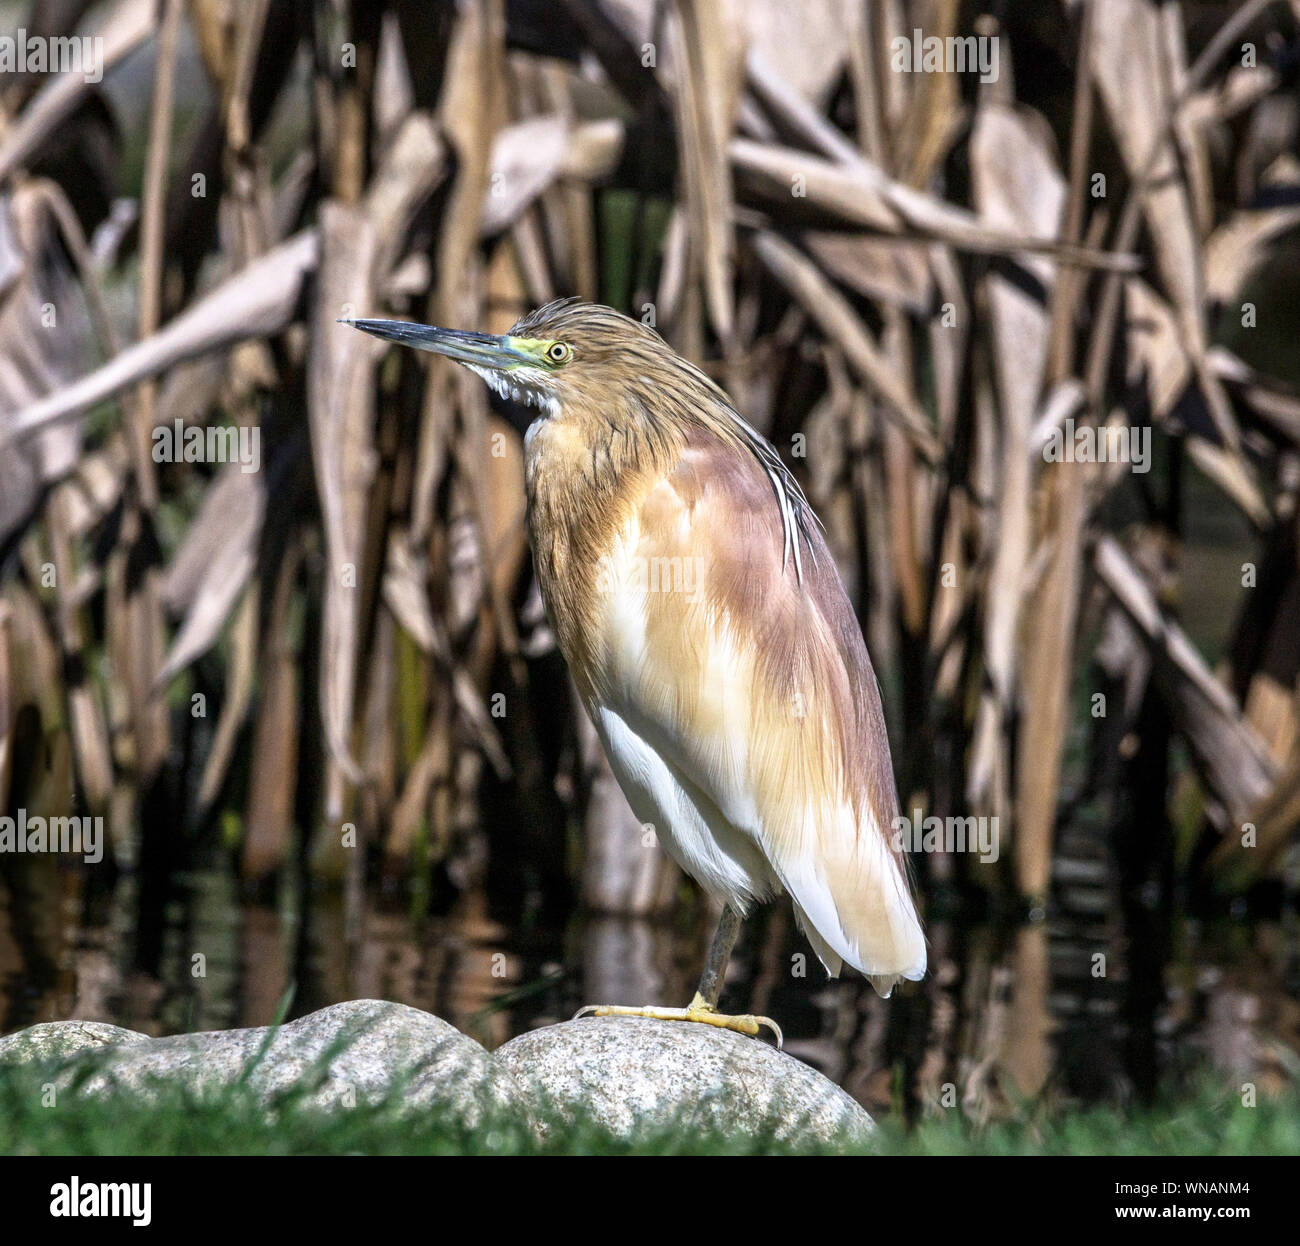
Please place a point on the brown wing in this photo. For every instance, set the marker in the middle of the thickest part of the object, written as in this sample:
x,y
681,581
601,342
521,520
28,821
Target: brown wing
x,y
760,692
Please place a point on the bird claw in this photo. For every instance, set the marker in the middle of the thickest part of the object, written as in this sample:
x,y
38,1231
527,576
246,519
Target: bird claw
x,y
746,1023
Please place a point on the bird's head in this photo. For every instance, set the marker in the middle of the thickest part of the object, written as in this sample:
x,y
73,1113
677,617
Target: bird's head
x,y
565,355
610,372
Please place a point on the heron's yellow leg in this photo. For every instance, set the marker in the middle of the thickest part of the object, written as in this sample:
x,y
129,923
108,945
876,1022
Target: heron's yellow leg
x,y
699,1009
704,1007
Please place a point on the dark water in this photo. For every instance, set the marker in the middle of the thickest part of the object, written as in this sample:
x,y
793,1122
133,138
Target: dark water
x,y
1007,1011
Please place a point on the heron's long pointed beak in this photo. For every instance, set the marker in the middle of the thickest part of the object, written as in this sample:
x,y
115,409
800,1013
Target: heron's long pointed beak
x,y
481,349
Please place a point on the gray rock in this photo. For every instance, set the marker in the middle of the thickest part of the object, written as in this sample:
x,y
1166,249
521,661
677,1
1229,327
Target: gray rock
x,y
630,1076
635,1077
57,1040
351,1053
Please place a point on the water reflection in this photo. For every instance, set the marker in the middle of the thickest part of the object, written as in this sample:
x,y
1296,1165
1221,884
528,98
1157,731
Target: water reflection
x,y
1077,1006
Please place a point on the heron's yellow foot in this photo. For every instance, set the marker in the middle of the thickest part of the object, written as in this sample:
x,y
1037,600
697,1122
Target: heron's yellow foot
x,y
697,1010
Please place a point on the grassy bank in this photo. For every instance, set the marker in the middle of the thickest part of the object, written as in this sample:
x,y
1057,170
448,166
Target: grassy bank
x,y
234,1123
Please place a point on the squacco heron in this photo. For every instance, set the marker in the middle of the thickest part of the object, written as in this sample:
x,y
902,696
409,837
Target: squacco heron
x,y
709,635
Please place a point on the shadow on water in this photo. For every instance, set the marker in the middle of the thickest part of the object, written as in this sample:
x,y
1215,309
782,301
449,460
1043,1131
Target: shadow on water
x,y
1111,994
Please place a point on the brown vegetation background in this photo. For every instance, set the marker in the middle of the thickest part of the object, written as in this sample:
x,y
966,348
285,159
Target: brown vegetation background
x,y
906,280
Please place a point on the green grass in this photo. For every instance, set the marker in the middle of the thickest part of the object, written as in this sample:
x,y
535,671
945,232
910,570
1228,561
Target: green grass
x,y
1207,1124
233,1122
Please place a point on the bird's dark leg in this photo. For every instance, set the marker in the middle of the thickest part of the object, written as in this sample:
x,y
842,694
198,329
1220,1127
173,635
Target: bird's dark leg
x,y
715,968
704,1007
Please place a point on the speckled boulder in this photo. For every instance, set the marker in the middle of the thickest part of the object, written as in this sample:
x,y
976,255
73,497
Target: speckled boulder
x,y
635,1077
351,1053
57,1040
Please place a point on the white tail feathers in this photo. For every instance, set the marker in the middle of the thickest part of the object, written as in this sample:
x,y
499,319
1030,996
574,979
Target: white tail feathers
x,y
884,983
860,912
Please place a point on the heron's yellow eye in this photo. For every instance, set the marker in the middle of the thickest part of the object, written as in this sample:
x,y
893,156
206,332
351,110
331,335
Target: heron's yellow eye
x,y
558,352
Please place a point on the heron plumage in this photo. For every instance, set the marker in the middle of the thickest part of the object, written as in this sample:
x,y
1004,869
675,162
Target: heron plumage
x,y
736,701
708,634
